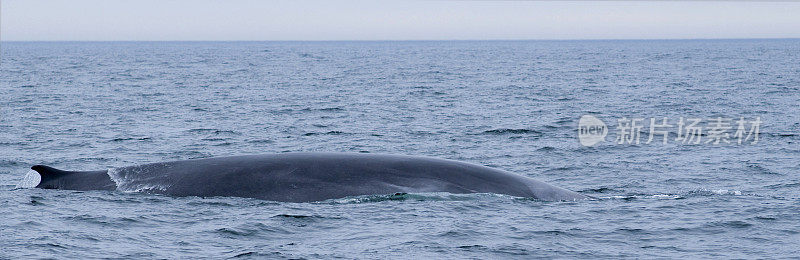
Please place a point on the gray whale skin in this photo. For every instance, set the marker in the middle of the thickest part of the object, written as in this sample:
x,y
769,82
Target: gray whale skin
x,y
304,177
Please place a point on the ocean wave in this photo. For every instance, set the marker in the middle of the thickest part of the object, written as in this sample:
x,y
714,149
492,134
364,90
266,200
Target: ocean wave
x,y
503,131
433,196
677,196
324,133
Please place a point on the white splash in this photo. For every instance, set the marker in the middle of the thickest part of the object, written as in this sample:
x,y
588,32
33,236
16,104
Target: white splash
x,y
31,180
114,176
129,180
667,196
727,192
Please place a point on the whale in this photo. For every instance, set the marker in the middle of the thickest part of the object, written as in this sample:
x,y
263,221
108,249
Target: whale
x,y
302,177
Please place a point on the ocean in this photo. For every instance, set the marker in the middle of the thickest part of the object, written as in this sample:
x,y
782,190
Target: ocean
x,y
512,105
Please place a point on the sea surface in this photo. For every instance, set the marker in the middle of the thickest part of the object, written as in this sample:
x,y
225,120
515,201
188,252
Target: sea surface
x,y
512,105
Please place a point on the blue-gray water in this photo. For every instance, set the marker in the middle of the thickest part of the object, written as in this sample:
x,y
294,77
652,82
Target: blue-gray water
x,y
509,105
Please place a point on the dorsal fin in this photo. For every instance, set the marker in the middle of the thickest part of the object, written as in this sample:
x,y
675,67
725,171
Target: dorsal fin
x,y
52,178
48,173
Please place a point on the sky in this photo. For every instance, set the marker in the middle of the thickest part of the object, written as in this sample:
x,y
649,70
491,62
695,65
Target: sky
x,y
313,20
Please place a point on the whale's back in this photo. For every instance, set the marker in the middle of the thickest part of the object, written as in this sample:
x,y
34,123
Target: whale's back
x,y
300,177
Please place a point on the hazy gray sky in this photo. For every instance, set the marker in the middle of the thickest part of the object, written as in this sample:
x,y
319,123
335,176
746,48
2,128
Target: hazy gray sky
x,y
393,20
